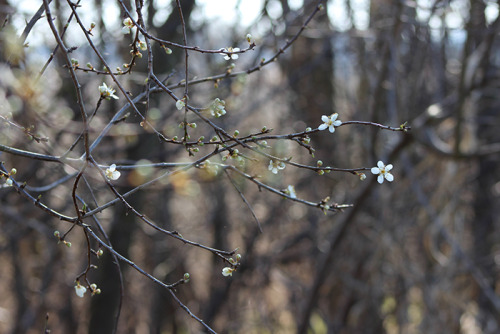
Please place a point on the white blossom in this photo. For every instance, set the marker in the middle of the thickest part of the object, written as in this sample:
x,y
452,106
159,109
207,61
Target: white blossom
x,y
275,166
330,122
291,191
382,171
8,182
232,56
80,290
180,104
227,271
128,24
107,92
112,173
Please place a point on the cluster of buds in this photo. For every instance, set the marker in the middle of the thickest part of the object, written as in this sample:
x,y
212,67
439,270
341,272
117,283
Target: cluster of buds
x,y
7,176
217,109
228,271
80,290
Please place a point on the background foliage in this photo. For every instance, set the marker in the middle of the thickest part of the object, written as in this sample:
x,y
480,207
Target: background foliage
x,y
418,255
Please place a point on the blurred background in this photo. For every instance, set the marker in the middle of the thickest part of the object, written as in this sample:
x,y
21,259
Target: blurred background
x,y
418,255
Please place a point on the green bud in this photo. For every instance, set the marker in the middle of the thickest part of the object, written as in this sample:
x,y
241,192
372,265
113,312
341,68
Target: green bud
x,y
319,163
186,277
321,172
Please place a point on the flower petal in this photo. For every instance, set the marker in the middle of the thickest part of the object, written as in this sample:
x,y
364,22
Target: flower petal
x,y
325,118
380,178
333,117
389,177
322,126
80,290
375,170
332,129
388,167
380,164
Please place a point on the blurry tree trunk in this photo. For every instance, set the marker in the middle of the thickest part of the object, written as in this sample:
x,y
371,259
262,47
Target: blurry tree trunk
x,y
171,30
486,107
219,222
311,77
310,73
105,307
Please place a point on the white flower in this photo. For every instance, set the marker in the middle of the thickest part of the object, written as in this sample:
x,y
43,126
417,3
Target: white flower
x,y
8,182
383,172
128,25
218,108
180,104
275,166
107,92
291,191
112,173
330,122
80,290
232,56
227,271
